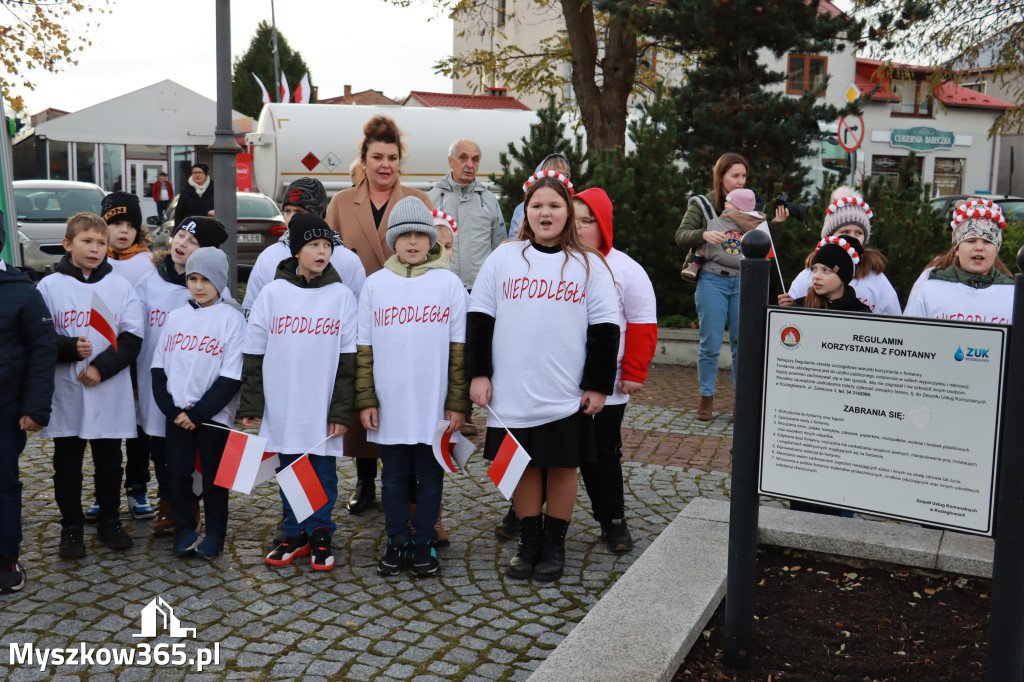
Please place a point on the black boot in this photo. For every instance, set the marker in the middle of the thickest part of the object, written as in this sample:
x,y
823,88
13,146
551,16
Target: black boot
x,y
509,526
364,496
616,534
551,562
521,565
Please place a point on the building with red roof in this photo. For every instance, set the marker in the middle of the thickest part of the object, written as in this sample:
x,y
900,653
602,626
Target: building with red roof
x,y
496,100
363,97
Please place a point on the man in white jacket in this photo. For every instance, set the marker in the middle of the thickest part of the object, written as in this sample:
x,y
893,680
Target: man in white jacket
x,y
474,207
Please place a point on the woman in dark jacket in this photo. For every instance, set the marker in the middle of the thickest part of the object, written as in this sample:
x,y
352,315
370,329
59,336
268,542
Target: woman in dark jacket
x,y
196,197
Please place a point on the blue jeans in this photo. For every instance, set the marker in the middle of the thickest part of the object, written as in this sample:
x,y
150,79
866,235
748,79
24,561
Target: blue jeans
x,y
326,469
12,442
407,467
718,302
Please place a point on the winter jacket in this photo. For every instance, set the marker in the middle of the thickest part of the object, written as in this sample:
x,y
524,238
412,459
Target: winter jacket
x,y
481,225
251,402
29,345
690,233
848,302
190,203
457,398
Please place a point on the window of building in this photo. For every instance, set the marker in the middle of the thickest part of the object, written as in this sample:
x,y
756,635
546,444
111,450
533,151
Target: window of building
x,y
949,176
499,18
59,162
112,157
914,99
85,162
888,167
806,74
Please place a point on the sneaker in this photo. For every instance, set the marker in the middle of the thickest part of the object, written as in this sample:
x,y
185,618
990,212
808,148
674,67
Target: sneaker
x,y
691,271
616,534
393,560
424,558
113,536
321,557
12,575
138,503
210,547
186,543
285,553
92,511
72,543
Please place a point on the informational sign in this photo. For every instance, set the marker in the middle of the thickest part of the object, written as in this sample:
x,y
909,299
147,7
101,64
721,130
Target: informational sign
x,y
887,416
851,132
921,138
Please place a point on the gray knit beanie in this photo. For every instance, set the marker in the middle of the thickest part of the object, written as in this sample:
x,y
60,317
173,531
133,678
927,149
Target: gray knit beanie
x,y
410,215
847,208
307,194
211,263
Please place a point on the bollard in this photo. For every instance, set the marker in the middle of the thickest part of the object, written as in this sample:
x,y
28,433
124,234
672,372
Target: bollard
x,y
1006,621
755,271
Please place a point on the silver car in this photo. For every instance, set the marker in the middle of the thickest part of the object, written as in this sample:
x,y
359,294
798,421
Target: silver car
x,y
42,208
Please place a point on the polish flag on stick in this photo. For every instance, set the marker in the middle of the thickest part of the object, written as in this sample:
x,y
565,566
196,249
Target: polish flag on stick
x,y
451,455
240,463
263,89
301,487
509,463
283,88
771,253
267,467
102,320
303,91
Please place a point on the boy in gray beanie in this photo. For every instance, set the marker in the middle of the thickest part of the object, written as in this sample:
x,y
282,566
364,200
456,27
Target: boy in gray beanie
x,y
410,215
210,263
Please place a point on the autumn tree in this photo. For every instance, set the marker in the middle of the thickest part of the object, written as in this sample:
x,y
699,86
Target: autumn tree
x,y
259,59
44,35
958,38
609,60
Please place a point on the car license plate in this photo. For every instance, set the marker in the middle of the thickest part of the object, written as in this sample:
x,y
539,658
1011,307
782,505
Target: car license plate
x,y
249,238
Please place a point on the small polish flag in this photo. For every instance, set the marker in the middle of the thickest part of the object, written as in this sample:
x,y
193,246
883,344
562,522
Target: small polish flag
x,y
451,455
243,454
301,487
263,89
283,89
267,467
764,228
508,466
197,477
102,320
302,93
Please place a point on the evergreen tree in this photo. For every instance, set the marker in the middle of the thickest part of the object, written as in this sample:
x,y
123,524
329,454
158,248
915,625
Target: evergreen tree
x,y
547,136
259,59
730,101
645,186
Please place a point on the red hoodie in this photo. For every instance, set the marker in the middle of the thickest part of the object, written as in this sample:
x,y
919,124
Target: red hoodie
x,y
641,339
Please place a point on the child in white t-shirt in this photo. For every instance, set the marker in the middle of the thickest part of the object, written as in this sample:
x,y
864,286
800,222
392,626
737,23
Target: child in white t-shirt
x,y
299,365
414,302
197,371
542,340
92,399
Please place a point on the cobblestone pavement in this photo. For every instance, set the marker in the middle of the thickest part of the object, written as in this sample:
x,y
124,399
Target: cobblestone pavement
x,y
469,623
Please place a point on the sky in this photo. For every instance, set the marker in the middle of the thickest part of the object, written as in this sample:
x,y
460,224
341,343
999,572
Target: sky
x,y
368,44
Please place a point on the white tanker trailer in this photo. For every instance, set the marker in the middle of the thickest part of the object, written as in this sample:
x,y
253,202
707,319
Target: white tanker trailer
x,y
321,140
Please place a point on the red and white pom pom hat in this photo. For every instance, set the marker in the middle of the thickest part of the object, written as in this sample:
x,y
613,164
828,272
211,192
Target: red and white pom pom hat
x,y
979,208
849,201
549,174
441,215
841,243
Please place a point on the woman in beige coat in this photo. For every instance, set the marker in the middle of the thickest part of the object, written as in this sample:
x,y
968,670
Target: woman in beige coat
x,y
360,215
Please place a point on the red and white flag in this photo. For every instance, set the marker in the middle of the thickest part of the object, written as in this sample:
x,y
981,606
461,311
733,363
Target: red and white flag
x,y
764,228
102,320
452,455
197,476
302,92
282,88
301,487
243,454
267,467
263,89
508,466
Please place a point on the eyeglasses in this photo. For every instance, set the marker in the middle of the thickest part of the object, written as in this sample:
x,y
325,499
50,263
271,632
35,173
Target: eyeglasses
x,y
198,172
586,222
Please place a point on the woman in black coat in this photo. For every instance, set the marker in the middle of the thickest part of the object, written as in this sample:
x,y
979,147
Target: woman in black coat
x,y
196,197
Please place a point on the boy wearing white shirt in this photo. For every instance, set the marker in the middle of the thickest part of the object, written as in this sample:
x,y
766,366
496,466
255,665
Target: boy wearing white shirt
x,y
299,365
92,398
412,319
197,371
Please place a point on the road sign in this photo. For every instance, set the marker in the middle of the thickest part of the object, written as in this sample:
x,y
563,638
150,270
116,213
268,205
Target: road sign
x,y
852,93
851,132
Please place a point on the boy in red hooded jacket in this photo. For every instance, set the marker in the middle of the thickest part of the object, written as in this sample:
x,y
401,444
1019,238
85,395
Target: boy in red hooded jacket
x,y
638,325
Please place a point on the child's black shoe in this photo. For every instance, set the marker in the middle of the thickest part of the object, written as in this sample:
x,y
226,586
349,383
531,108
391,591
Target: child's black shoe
x,y
321,557
423,558
393,560
285,553
113,536
12,576
72,543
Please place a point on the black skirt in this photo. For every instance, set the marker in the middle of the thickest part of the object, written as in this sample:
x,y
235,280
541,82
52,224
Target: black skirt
x,y
568,442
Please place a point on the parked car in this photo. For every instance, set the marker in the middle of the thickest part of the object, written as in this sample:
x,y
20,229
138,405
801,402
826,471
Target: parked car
x,y
42,209
1013,207
260,224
